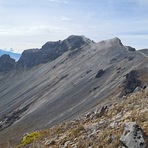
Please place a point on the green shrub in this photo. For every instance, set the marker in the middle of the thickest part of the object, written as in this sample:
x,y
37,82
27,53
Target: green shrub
x,y
29,138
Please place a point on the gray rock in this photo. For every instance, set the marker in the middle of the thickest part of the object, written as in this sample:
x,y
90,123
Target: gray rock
x,y
129,48
131,83
133,136
137,89
100,73
49,142
6,63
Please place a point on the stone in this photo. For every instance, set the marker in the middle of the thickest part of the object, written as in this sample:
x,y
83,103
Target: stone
x,y
131,83
100,73
113,124
137,89
66,143
103,111
49,142
132,136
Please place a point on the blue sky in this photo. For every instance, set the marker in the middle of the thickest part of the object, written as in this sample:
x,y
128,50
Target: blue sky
x,y
30,23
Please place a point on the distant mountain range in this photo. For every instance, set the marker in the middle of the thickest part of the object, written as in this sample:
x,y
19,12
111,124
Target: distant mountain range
x,y
13,55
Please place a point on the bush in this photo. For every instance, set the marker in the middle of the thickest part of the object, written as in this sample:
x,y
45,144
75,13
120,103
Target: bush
x,y
29,138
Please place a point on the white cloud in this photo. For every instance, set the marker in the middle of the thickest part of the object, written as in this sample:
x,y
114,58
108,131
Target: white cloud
x,y
25,37
29,30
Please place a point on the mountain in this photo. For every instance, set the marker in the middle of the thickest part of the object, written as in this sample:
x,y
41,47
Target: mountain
x,y
51,51
145,51
65,79
6,63
13,55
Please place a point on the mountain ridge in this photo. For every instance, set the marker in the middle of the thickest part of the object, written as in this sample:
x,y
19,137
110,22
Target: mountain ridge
x,y
67,87
53,49
50,51
13,55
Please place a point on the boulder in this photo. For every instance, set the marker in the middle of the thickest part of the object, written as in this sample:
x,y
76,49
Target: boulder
x,y
100,73
137,89
132,136
131,83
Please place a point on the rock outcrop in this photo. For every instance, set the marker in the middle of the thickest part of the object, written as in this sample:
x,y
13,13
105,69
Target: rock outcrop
x,y
31,58
131,83
129,48
6,63
133,136
51,51
100,73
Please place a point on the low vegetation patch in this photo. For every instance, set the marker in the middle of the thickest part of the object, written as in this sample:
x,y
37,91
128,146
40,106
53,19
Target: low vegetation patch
x,y
97,132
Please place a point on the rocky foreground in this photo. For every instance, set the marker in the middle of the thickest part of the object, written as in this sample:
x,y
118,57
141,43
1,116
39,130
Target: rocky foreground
x,y
119,123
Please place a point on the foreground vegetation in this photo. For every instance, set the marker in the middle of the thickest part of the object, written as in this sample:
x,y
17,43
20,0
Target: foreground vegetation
x,y
102,131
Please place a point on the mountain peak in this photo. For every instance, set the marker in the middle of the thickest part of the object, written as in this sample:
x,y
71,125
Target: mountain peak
x,y
78,37
116,40
51,51
5,56
6,63
73,41
12,54
112,42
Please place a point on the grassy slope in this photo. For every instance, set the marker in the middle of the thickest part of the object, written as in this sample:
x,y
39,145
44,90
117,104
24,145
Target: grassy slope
x,y
97,132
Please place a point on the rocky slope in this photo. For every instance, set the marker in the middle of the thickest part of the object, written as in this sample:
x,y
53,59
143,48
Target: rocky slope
x,y
77,76
100,128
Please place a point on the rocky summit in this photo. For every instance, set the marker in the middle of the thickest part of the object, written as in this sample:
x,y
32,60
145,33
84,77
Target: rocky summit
x,y
51,51
70,82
